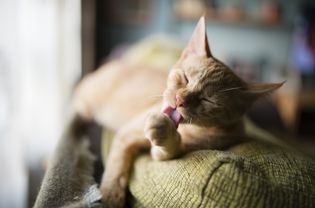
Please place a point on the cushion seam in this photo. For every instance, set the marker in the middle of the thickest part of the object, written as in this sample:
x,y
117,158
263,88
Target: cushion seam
x,y
218,165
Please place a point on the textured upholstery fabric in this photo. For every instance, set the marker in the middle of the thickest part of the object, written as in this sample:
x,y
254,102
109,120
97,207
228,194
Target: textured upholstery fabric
x,y
252,174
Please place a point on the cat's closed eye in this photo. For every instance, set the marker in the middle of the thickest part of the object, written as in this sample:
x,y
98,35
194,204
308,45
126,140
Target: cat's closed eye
x,y
207,100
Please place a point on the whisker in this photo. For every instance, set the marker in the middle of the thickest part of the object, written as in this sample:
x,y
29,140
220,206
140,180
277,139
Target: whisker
x,y
156,96
229,89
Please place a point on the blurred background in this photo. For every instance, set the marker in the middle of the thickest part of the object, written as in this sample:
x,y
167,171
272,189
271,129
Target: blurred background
x,y
46,46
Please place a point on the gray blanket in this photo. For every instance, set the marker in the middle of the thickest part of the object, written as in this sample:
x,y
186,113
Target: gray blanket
x,y
69,180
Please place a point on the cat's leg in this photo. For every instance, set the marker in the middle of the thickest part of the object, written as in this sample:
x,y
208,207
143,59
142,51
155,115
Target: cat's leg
x,y
124,149
165,140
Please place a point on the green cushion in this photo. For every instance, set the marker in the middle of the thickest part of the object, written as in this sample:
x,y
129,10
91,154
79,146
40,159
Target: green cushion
x,y
252,174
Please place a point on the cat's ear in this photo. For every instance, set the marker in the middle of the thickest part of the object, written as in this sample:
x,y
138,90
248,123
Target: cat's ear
x,y
258,90
198,44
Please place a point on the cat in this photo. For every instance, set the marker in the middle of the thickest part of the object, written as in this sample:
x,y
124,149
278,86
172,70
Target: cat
x,y
202,107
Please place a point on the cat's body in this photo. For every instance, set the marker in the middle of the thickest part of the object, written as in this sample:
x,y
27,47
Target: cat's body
x,y
202,108
118,92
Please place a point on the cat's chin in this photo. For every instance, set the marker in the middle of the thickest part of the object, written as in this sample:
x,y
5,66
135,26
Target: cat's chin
x,y
184,118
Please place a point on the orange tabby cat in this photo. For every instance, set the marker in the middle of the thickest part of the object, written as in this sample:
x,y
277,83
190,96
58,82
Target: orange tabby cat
x,y
203,107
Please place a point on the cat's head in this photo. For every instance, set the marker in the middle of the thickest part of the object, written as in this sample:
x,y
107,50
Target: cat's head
x,y
206,92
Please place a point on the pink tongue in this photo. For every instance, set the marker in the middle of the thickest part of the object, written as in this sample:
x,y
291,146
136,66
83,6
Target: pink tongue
x,y
173,114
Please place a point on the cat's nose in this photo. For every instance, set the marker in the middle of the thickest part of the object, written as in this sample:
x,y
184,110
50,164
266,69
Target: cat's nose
x,y
179,101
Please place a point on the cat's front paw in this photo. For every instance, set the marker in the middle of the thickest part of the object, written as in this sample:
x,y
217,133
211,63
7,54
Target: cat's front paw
x,y
113,195
159,128
162,133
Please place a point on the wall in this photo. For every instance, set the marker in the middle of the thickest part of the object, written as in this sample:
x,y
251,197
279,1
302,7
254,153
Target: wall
x,y
226,40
